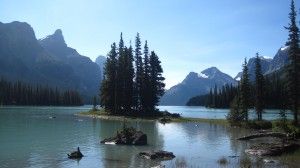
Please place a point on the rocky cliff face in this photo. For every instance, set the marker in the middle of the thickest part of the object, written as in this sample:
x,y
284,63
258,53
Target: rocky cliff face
x,y
48,61
268,65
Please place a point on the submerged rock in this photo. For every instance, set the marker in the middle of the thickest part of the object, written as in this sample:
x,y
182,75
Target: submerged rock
x,y
271,149
76,154
160,155
269,161
128,136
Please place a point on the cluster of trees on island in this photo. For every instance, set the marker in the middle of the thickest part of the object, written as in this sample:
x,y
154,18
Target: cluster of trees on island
x,y
19,93
132,83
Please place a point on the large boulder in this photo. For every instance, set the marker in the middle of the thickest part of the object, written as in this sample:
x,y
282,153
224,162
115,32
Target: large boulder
x,y
128,136
157,155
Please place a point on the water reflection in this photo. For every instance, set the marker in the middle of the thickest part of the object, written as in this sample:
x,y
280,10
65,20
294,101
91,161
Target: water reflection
x,y
118,156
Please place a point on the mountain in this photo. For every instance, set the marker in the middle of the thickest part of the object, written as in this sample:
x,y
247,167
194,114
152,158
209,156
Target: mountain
x,y
56,45
268,65
195,84
100,60
86,73
48,61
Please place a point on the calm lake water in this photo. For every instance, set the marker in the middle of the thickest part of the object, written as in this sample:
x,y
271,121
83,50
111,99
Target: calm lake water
x,y
202,112
29,137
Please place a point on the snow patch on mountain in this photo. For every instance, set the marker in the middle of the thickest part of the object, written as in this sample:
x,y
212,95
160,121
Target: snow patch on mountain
x,y
201,75
284,48
266,57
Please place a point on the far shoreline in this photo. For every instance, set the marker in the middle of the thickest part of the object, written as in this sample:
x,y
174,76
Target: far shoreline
x,y
104,116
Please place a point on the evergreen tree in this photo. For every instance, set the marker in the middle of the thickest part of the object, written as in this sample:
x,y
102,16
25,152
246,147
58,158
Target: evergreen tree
x,y
157,80
139,73
128,96
109,87
235,114
146,90
259,88
120,76
293,83
245,91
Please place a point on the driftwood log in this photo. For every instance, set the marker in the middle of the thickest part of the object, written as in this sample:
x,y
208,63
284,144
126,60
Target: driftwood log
x,y
268,134
271,149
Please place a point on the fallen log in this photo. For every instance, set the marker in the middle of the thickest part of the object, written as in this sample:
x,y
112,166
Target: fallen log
x,y
271,149
268,134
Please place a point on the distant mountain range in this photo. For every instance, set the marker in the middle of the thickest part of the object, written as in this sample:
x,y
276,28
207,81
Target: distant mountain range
x,y
268,65
199,84
196,84
47,61
50,61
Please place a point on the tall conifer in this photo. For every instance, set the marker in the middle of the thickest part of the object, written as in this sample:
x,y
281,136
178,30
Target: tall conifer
x,y
293,84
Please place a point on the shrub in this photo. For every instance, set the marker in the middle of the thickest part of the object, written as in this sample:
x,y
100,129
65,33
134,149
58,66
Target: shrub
x,y
235,116
255,124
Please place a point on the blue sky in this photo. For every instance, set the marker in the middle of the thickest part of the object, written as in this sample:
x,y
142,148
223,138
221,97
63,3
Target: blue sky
x,y
188,35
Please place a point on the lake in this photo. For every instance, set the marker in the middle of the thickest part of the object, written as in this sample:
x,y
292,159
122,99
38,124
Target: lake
x,y
30,137
203,112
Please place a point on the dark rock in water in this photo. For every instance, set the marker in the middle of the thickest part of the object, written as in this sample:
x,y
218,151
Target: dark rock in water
x,y
76,154
271,149
128,136
139,138
164,120
159,155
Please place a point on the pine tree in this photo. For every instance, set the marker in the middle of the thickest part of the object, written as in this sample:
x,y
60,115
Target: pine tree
x,y
245,91
139,73
235,114
120,76
259,88
293,83
108,87
146,91
157,80
128,96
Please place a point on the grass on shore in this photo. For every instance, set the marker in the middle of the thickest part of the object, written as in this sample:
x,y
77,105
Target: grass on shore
x,y
203,120
97,112
252,124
